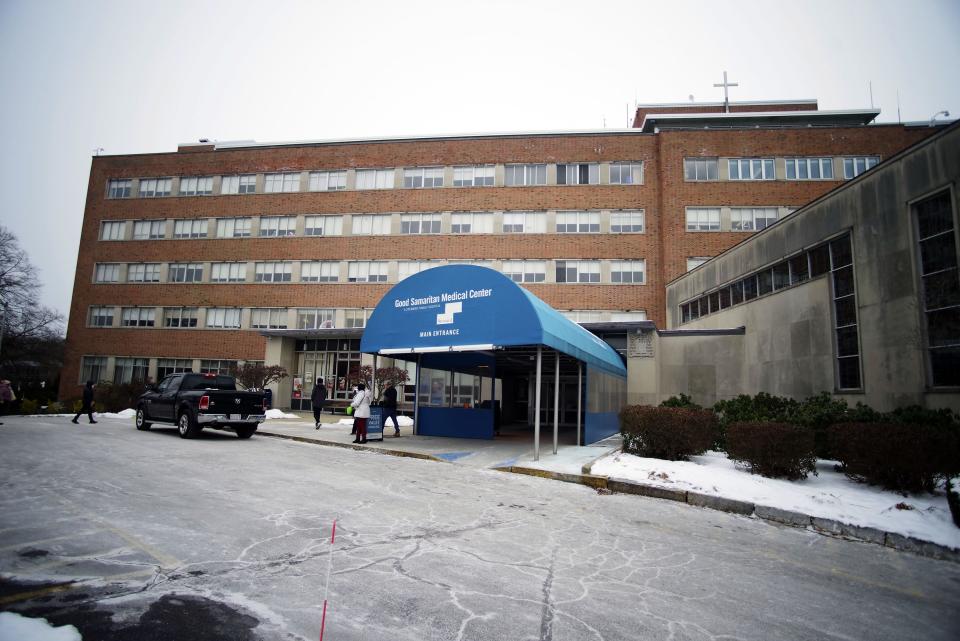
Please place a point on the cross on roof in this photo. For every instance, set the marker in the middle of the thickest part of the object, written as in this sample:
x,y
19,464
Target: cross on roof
x,y
726,97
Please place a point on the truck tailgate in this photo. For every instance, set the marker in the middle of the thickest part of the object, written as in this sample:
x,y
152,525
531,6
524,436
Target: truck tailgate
x,y
240,403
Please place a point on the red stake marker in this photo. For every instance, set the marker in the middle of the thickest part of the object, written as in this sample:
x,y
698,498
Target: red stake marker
x,y
323,618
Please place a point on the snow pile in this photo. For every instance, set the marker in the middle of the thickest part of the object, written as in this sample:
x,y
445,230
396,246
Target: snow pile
x,y
14,627
275,413
127,413
404,421
830,495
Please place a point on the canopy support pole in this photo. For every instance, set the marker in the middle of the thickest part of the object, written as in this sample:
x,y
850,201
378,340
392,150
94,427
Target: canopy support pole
x,y
416,398
536,408
493,395
556,400
579,397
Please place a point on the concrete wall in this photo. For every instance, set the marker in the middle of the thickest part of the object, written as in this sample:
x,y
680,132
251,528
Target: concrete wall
x,y
789,338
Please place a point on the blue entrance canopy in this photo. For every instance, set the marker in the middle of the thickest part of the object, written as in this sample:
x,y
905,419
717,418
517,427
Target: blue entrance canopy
x,y
463,308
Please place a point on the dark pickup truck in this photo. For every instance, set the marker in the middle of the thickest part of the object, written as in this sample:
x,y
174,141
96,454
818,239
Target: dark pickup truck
x,y
194,401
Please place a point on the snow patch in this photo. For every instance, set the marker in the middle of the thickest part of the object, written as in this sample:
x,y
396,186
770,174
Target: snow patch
x,y
127,413
829,495
14,627
275,413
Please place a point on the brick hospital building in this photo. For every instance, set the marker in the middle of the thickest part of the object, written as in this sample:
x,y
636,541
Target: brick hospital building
x,y
188,260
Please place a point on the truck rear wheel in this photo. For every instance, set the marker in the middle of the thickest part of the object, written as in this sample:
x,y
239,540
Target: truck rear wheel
x,y
187,425
244,431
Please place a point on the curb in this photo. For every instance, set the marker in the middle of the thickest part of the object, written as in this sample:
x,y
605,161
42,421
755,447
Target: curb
x,y
779,516
352,446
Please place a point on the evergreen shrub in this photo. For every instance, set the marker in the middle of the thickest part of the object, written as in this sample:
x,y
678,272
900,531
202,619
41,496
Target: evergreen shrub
x,y
672,433
772,449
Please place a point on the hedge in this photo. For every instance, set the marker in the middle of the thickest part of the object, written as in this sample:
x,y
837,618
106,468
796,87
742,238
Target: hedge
x,y
672,433
907,457
772,449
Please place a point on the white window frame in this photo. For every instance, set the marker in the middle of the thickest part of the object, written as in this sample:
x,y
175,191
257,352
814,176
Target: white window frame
x,y
525,271
474,175
316,318
234,227
370,224
524,222
630,272
119,188
320,271
375,179
268,318
319,225
705,219
155,187
196,186
578,222
223,318
113,230
583,315
129,369
190,228
351,316
408,268
743,169
181,317
805,168
277,226
138,317
328,180
695,261
185,269
701,169
747,218
571,173
420,224
626,173
149,229
628,316
583,272
471,222
228,272
106,273
238,184
100,316
853,166
93,368
628,221
422,177
525,175
286,182
273,272
367,271
143,273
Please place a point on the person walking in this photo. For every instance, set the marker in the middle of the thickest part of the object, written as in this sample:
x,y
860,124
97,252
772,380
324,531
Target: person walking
x,y
318,398
7,397
87,403
390,408
361,412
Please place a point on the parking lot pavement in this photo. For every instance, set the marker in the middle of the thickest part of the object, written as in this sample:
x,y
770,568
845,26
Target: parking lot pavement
x,y
143,535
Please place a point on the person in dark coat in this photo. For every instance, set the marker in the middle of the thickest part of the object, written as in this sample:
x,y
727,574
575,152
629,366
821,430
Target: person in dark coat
x,y
390,408
87,403
318,398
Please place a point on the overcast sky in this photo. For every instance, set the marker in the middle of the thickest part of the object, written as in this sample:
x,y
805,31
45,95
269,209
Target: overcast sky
x,y
138,76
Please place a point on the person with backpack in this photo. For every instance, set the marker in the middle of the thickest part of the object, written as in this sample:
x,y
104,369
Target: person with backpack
x,y
318,398
361,407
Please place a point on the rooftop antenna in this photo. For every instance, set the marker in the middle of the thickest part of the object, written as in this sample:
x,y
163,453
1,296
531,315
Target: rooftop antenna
x,y
871,93
691,97
726,97
97,150
899,120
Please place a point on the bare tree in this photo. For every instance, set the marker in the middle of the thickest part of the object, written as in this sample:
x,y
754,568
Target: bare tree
x,y
256,376
25,323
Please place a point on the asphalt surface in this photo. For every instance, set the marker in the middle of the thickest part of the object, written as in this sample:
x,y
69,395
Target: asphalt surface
x,y
142,535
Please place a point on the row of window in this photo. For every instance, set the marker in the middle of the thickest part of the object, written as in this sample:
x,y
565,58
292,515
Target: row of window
x,y
733,218
276,317
619,173
801,168
366,271
834,257
510,222
137,369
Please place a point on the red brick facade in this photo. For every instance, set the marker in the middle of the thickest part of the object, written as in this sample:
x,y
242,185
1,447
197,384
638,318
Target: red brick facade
x,y
663,196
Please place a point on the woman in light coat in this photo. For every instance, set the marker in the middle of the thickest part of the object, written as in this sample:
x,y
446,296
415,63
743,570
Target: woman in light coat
x,y
361,412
